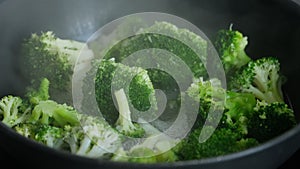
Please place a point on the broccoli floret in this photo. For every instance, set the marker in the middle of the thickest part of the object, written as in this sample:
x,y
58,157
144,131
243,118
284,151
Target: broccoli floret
x,y
124,123
13,111
112,76
222,142
230,45
154,149
210,96
262,77
94,137
50,136
41,94
238,108
270,120
45,55
49,112
27,130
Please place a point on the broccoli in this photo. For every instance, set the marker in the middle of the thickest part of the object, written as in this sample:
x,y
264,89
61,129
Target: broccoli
x,y
35,95
230,45
222,142
93,138
50,136
154,148
238,109
270,120
12,111
112,76
262,77
27,130
47,111
45,55
210,95
124,123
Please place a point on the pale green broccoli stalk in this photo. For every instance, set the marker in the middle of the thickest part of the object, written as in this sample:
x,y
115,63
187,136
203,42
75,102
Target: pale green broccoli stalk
x,y
231,45
93,138
270,120
12,110
135,80
262,77
50,136
124,123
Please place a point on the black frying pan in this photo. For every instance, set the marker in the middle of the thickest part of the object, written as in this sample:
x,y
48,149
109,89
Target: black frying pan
x,y
273,28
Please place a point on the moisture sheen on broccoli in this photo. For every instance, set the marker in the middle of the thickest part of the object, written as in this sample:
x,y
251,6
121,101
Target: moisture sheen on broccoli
x,y
135,80
231,45
262,77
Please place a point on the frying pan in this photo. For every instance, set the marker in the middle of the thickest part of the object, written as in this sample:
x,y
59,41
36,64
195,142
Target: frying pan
x,y
273,28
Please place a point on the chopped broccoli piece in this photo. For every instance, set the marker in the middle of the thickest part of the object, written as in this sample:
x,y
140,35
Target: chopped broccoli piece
x,y
124,123
231,45
50,136
222,142
270,120
27,130
12,111
262,77
93,138
50,112
45,55
135,80
238,108
210,95
42,94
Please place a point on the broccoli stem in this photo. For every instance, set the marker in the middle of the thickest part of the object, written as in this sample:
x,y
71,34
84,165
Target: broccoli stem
x,y
124,120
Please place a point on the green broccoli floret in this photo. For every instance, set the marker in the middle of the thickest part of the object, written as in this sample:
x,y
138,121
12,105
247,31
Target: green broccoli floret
x,y
270,120
94,137
238,108
222,142
13,111
262,77
135,80
124,123
210,96
230,45
156,147
27,130
45,55
49,112
35,95
50,136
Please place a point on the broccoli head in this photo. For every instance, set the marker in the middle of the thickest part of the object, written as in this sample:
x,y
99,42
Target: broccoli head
x,y
222,142
94,137
112,76
270,120
50,136
262,77
12,110
230,45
